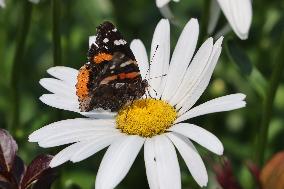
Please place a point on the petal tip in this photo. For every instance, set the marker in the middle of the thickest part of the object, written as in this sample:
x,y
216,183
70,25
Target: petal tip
x,y
42,81
243,96
161,3
194,20
32,138
219,41
54,163
203,182
221,150
52,69
42,98
243,36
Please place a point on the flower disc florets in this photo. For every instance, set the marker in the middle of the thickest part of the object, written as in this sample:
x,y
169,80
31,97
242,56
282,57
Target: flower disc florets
x,y
146,117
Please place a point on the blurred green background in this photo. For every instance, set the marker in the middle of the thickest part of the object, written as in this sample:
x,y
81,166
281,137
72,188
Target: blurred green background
x,y
244,66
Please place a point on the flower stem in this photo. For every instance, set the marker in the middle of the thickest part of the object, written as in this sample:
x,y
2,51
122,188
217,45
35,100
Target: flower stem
x,y
268,102
56,36
24,25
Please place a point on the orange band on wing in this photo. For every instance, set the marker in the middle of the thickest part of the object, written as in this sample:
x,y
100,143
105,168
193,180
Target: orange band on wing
x,y
119,76
128,75
82,83
102,57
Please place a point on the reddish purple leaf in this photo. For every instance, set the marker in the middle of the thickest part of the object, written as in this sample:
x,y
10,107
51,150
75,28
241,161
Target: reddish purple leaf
x,y
225,176
255,172
35,170
3,179
8,149
18,169
5,185
46,179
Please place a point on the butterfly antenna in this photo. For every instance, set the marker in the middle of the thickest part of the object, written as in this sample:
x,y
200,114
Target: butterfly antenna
x,y
155,92
152,58
158,76
148,91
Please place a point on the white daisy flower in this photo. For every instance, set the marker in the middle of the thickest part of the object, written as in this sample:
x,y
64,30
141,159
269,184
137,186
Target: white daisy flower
x,y
237,12
34,1
2,3
155,123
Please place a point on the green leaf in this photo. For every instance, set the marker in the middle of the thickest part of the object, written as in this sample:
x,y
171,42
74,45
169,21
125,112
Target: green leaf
x,y
239,57
253,75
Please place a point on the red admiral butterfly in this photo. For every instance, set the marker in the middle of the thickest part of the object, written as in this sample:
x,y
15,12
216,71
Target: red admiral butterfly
x,y
111,79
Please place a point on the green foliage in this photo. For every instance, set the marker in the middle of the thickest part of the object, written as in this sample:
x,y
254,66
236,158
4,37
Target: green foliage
x,y
245,66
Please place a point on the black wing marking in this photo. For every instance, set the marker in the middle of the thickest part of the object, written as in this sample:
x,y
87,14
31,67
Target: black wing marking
x,y
109,40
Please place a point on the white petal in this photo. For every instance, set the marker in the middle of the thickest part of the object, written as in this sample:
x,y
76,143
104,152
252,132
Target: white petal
x,y
194,71
93,146
92,40
181,58
66,74
65,92
161,3
34,1
140,54
60,102
75,125
191,157
59,87
214,16
221,104
203,80
99,114
199,135
167,163
160,56
117,161
65,154
71,137
2,3
71,104
239,15
151,163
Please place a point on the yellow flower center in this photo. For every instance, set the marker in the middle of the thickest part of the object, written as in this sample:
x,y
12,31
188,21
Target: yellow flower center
x,y
146,117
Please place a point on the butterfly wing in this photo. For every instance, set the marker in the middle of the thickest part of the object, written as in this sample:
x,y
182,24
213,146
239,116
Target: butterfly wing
x,y
111,78
108,41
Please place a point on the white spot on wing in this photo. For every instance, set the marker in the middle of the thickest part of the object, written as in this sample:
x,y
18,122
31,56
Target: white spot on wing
x,y
119,85
120,42
114,30
126,63
105,40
